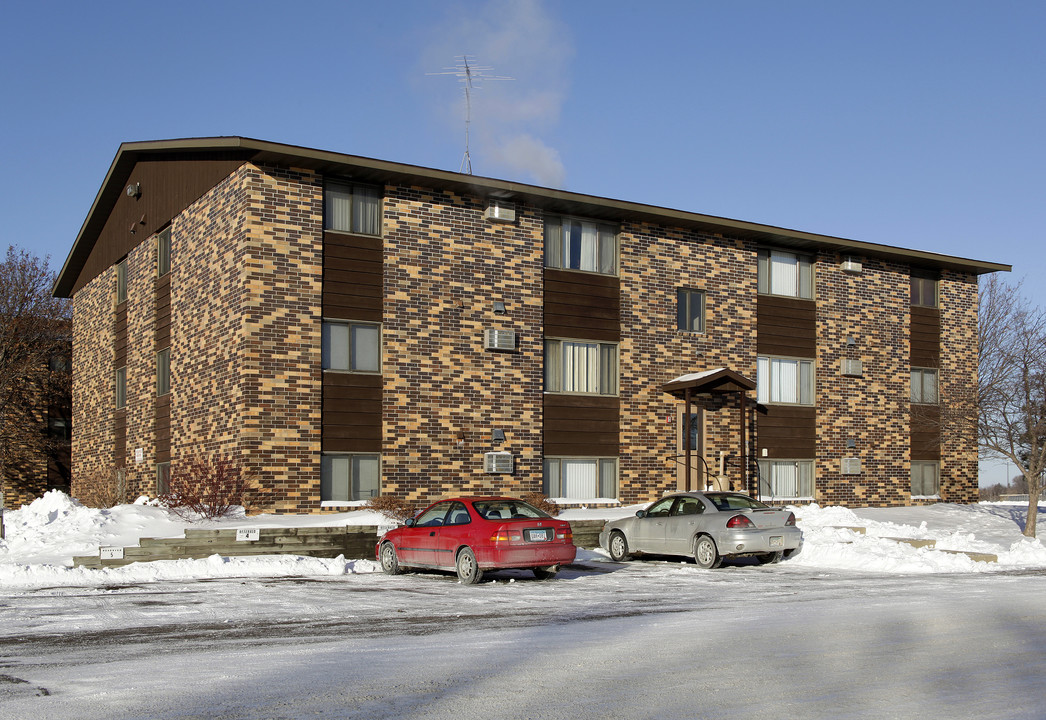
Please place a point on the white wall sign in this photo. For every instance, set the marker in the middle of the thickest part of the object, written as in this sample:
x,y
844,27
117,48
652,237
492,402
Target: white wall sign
x,y
110,553
247,534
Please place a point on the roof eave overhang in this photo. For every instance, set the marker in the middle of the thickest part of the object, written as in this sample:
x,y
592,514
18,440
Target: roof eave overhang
x,y
382,171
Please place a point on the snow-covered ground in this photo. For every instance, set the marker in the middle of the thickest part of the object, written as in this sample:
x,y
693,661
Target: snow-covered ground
x,y
42,538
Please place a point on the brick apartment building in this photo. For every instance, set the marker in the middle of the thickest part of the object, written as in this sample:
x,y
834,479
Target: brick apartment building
x,y
352,327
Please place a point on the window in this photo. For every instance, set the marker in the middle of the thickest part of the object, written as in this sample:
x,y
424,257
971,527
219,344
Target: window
x,y
59,428
580,245
784,380
121,281
121,387
924,386
786,479
690,310
581,478
785,273
924,290
348,477
925,479
163,253
163,478
577,366
352,208
353,347
163,372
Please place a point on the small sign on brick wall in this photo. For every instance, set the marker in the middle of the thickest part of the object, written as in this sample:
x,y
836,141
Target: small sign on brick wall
x,y
247,534
110,553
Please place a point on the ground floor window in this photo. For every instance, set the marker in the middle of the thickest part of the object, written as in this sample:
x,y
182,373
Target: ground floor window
x,y
786,479
345,477
925,479
581,478
163,478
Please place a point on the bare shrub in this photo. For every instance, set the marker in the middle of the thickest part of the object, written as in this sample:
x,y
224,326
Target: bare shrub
x,y
541,502
210,487
104,488
391,507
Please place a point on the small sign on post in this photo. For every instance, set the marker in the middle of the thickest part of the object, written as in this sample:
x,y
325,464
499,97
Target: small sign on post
x,y
247,534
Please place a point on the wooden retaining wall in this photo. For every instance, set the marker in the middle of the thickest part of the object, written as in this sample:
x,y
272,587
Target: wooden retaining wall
x,y
351,541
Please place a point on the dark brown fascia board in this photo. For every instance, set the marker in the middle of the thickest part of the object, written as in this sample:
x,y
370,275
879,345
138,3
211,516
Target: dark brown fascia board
x,y
371,170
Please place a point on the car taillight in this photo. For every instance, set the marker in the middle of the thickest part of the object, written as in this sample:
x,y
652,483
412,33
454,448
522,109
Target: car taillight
x,y
790,520
739,521
505,536
566,534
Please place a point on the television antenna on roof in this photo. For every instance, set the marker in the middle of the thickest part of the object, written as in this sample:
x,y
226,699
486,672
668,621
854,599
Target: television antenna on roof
x,y
470,76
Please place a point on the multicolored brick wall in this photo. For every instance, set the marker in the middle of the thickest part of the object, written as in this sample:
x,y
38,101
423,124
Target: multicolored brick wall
x,y
445,266
655,262
958,378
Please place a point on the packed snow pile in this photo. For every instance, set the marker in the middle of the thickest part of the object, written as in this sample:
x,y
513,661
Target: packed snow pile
x,y
42,538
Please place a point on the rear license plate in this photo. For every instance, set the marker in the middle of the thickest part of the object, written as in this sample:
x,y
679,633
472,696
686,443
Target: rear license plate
x,y
539,535
776,541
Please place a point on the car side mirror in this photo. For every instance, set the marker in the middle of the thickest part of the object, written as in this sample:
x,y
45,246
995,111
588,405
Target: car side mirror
x,y
409,522
641,513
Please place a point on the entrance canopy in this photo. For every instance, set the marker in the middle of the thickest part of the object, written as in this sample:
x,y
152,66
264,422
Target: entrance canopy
x,y
719,380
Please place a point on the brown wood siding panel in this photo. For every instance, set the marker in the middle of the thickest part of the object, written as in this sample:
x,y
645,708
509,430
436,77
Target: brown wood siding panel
x,y
582,425
162,334
352,277
786,432
925,432
786,326
584,306
120,438
169,184
925,337
352,412
120,336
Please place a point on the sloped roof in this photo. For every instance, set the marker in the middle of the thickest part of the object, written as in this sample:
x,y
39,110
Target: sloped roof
x,y
716,380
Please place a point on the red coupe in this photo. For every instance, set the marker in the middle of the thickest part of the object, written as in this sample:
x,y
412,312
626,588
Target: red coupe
x,y
472,534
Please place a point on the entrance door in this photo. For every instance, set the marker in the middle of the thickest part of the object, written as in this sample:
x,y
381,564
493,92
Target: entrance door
x,y
697,449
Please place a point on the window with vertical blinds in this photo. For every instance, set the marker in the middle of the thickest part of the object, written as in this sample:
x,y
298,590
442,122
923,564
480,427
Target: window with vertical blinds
x,y
352,208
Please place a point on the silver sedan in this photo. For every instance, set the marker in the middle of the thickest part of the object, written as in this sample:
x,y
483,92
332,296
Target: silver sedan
x,y
706,526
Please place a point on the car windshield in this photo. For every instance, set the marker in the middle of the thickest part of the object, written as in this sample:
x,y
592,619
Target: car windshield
x,y
507,510
734,502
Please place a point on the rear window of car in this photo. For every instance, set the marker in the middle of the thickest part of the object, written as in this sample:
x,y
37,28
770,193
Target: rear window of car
x,y
735,502
507,510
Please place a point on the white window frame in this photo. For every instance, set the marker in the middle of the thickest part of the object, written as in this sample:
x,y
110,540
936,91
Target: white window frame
x,y
349,219
786,479
786,274
583,245
920,467
771,374
332,352
348,489
581,367
920,394
597,475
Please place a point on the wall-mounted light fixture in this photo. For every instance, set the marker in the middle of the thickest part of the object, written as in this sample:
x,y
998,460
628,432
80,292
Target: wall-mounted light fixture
x,y
134,190
851,341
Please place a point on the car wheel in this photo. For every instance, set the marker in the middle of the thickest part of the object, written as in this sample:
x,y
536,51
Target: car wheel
x,y
768,558
546,573
467,567
390,564
618,546
705,553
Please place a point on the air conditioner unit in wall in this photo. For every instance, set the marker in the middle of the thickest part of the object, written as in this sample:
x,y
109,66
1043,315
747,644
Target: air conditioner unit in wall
x,y
494,339
850,466
852,367
500,211
851,265
497,462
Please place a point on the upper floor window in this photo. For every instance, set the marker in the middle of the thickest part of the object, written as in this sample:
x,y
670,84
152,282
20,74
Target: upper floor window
x,y
121,281
579,366
786,273
351,346
352,208
924,290
785,380
121,388
580,245
924,386
163,252
163,372
690,310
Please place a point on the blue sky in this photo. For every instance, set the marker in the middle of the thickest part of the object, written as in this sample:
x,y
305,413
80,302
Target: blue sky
x,y
918,124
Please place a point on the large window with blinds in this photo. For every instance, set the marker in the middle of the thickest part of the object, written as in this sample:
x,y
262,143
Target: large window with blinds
x,y
581,478
786,273
352,208
786,479
345,477
573,244
580,366
788,381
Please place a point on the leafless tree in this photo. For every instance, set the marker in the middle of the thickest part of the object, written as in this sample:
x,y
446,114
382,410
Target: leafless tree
x,y
34,328
1011,402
